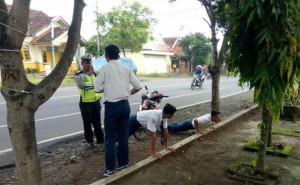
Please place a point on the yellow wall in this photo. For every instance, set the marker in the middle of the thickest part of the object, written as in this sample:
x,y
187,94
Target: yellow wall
x,y
41,67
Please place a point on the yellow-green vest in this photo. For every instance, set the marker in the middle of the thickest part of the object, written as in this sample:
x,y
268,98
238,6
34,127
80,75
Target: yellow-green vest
x,y
88,95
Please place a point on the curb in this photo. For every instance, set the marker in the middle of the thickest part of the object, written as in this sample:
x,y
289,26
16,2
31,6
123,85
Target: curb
x,y
185,142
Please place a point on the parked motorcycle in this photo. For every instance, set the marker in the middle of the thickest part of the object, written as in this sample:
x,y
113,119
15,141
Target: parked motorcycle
x,y
198,81
149,101
208,76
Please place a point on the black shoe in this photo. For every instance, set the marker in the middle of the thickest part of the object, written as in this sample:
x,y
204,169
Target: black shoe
x,y
91,145
100,141
108,173
121,167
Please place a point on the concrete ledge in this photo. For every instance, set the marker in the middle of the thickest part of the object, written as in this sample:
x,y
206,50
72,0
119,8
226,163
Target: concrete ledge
x,y
121,174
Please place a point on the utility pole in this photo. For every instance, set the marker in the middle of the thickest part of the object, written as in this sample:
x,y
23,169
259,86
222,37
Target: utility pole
x,y
98,39
52,45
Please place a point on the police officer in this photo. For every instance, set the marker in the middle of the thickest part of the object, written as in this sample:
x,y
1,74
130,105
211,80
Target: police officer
x,y
89,104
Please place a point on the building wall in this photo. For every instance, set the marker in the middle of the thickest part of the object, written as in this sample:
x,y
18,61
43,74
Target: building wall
x,y
150,63
36,61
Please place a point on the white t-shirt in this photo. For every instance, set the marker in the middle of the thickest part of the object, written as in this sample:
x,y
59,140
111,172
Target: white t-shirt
x,y
204,121
151,119
114,80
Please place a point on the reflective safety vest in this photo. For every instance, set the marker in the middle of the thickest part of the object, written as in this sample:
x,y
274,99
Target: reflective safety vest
x,y
88,94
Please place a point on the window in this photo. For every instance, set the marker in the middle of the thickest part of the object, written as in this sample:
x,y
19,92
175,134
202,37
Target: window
x,y
25,52
44,55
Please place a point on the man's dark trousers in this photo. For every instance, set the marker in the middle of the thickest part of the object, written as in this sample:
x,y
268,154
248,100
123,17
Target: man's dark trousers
x,y
116,130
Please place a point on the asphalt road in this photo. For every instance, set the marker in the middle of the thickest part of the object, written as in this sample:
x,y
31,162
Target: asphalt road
x,y
60,117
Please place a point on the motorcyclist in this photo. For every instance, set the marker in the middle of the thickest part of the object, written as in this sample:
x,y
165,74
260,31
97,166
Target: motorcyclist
x,y
199,72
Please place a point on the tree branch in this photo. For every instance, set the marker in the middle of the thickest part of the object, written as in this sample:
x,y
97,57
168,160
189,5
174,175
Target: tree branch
x,y
48,85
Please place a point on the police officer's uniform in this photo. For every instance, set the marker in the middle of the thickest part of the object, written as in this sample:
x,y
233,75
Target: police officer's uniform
x,y
90,106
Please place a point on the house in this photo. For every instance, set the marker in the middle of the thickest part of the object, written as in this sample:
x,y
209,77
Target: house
x,y
45,42
161,55
179,62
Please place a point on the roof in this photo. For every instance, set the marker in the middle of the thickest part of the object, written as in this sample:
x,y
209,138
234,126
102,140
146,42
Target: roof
x,y
37,20
47,36
171,41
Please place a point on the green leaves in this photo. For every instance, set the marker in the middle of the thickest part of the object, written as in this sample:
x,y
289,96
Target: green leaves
x,y
264,48
197,47
127,25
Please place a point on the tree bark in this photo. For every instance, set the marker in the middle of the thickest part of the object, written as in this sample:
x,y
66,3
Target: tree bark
x,y
264,128
21,128
124,54
22,97
270,127
215,99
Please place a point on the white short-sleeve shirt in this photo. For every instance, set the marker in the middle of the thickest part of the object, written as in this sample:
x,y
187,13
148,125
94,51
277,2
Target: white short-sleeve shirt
x,y
114,80
204,121
151,119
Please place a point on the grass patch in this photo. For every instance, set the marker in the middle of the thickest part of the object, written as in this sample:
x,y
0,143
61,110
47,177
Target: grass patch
x,y
278,149
67,81
286,132
247,173
166,75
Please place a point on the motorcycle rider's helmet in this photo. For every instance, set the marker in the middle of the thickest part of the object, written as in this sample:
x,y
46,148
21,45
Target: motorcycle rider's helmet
x,y
144,96
198,66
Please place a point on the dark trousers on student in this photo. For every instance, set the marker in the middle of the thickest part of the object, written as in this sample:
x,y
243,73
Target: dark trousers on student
x,y
116,130
134,125
181,126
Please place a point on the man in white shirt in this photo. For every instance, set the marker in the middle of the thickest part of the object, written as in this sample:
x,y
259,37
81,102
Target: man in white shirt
x,y
114,80
196,123
151,119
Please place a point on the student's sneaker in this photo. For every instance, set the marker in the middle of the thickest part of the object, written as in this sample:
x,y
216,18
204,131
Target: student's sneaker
x,y
100,141
121,167
91,145
108,173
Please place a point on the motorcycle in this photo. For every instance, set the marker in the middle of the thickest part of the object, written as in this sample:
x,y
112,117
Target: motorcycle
x,y
149,101
198,81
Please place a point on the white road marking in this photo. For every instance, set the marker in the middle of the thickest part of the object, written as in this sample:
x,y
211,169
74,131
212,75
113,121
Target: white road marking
x,y
47,140
75,133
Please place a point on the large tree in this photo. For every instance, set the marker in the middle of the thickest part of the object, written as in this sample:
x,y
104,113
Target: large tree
x,y
22,97
264,52
218,12
197,47
128,26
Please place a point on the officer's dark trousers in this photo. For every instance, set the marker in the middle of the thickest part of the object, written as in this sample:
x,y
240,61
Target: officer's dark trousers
x,y
91,115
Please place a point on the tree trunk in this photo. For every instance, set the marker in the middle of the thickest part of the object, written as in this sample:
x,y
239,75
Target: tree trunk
x,y
21,128
215,99
270,126
124,55
22,97
264,128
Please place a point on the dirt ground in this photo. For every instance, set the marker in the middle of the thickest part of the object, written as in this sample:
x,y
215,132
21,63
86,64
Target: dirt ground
x,y
203,162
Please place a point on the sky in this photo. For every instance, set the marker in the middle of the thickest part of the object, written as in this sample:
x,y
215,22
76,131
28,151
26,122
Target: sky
x,y
179,18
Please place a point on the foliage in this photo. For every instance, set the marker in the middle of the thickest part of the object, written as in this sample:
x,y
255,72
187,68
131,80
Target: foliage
x,y
287,132
224,11
32,70
263,48
128,26
291,96
92,48
197,47
157,75
277,149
